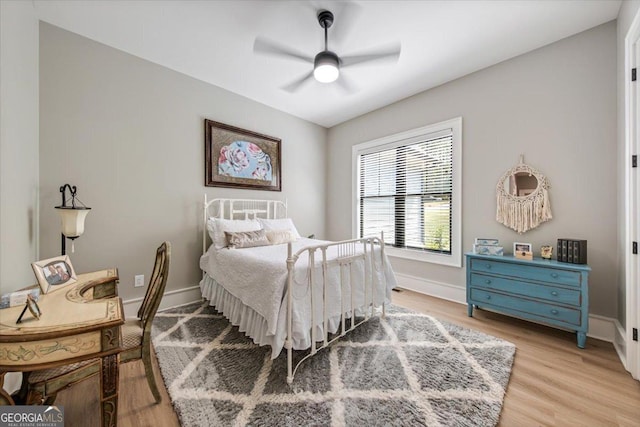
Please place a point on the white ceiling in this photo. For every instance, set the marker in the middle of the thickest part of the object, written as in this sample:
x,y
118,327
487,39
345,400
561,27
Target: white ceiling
x,y
213,41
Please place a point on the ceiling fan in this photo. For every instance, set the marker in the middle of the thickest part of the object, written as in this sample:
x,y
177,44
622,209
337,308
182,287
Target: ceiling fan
x,y
326,64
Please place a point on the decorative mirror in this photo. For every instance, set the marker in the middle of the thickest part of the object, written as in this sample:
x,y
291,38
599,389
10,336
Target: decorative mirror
x,y
522,195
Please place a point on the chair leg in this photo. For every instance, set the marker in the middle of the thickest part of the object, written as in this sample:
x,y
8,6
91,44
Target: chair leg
x,y
50,400
35,396
5,399
151,380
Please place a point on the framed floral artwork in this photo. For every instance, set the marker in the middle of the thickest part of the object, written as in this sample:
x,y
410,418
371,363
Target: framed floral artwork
x,y
54,273
240,158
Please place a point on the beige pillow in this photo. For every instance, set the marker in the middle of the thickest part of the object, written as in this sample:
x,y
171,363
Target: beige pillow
x,y
279,224
246,239
277,237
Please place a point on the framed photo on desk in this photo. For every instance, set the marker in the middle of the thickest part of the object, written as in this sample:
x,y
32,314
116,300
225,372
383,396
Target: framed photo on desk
x,y
54,273
32,305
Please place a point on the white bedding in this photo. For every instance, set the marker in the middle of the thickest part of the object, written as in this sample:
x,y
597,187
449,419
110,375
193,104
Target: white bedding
x,y
257,278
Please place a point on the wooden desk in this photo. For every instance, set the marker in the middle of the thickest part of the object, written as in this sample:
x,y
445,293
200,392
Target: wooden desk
x,y
78,323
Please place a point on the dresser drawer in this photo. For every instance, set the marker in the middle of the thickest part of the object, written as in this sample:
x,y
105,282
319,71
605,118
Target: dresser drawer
x,y
543,274
534,290
533,309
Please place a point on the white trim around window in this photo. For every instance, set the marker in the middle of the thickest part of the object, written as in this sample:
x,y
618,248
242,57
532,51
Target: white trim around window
x,y
454,259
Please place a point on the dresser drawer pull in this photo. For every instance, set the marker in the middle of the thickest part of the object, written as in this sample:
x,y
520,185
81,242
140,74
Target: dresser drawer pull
x,y
488,296
488,266
554,275
554,311
554,293
487,281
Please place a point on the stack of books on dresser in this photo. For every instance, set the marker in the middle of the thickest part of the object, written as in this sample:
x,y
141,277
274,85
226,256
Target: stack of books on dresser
x,y
487,247
572,250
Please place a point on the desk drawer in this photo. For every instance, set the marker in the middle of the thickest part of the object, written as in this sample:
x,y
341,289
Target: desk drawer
x,y
536,309
534,290
543,274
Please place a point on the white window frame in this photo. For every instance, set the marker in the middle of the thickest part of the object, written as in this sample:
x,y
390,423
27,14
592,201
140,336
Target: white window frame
x,y
455,258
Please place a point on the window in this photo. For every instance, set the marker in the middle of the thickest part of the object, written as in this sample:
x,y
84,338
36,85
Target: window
x,y
408,186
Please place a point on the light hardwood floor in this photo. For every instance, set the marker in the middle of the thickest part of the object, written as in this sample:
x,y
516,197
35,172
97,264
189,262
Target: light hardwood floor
x,y
553,382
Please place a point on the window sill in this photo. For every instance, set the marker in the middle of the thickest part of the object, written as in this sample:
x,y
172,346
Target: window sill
x,y
453,260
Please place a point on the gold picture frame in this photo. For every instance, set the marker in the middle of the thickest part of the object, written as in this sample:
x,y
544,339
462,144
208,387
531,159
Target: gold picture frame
x,y
54,273
32,305
546,252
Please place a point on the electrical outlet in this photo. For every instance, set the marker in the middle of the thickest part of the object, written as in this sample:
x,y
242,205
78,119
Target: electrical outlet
x,y
139,281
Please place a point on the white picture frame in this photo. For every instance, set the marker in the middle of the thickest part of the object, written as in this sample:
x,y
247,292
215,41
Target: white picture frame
x,y
54,273
519,247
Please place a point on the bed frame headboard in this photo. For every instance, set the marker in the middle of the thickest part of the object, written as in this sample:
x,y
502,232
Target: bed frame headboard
x,y
240,209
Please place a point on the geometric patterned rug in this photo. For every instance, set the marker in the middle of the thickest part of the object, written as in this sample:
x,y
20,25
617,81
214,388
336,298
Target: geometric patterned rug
x,y
408,369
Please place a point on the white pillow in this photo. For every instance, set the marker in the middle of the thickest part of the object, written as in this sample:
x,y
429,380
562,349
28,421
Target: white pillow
x,y
217,228
279,224
277,237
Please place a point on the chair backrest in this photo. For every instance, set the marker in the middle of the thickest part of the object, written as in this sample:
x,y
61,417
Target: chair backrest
x,y
155,290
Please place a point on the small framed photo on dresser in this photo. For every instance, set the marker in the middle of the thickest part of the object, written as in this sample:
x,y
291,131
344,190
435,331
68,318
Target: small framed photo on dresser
x,y
522,250
521,247
54,273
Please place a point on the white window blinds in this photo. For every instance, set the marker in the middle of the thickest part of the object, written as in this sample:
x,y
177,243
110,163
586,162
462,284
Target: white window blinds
x,y
406,191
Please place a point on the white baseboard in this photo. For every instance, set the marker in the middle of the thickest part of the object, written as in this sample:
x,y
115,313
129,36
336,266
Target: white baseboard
x,y
600,327
169,300
620,343
430,287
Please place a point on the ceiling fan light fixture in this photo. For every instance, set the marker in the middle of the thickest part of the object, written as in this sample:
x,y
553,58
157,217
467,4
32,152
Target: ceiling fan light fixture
x,y
326,67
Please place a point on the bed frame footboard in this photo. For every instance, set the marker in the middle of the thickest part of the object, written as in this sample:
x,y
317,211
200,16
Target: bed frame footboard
x,y
348,254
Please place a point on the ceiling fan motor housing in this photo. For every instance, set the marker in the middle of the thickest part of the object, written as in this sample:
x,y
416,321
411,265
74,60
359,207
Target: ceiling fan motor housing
x,y
326,66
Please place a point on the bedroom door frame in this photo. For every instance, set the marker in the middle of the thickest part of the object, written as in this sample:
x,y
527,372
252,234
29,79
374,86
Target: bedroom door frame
x,y
632,197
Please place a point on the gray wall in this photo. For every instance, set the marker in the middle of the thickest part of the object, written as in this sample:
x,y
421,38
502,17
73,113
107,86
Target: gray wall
x,y
18,143
557,106
130,135
628,11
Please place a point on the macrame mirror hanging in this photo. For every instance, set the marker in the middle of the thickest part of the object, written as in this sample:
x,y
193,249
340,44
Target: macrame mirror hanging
x,y
522,195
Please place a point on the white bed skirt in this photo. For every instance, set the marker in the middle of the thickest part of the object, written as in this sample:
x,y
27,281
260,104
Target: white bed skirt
x,y
253,324
245,318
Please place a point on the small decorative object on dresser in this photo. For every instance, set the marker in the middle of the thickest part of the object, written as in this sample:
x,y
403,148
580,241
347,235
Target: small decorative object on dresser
x,y
546,252
522,250
544,291
483,241
487,247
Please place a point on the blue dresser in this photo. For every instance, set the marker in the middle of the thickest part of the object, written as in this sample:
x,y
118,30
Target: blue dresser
x,y
545,291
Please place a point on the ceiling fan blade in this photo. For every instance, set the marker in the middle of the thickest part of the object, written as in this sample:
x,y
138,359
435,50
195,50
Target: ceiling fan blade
x,y
346,84
298,83
389,54
268,47
346,14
